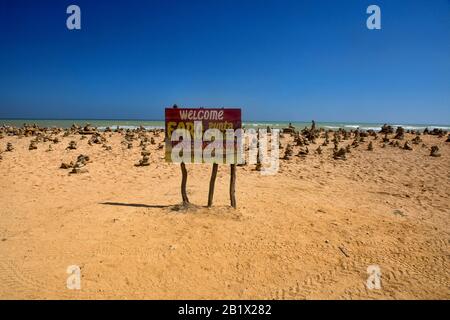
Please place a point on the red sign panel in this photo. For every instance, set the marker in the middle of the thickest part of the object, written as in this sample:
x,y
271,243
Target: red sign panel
x,y
190,119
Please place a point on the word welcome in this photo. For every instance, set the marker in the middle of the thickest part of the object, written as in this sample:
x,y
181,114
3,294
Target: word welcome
x,y
201,114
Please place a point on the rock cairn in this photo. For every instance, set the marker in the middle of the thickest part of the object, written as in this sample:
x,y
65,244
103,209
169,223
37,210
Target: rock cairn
x,y
303,152
387,129
435,151
339,154
288,152
33,145
416,140
400,133
79,166
145,159
72,145
96,138
348,149
407,146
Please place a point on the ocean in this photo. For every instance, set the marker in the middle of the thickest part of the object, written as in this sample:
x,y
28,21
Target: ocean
x,y
155,124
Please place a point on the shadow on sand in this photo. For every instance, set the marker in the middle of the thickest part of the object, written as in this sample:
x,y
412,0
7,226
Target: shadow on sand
x,y
136,205
182,208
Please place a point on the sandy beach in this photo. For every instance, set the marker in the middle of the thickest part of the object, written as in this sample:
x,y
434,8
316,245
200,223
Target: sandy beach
x,y
308,232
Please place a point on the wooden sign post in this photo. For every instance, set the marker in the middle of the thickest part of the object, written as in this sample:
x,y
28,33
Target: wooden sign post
x,y
211,184
233,185
194,123
183,184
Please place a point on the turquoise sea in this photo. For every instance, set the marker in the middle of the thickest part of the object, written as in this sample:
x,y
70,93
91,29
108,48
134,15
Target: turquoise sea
x,y
151,124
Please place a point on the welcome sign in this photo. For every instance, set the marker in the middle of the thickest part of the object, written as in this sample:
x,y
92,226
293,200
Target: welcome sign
x,y
197,135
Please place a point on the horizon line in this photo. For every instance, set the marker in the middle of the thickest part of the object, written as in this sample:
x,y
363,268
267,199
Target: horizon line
x,y
287,121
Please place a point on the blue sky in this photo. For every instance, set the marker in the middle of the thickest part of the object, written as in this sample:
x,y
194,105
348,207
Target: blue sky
x,y
277,60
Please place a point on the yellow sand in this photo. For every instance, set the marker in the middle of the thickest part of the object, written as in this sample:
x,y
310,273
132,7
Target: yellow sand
x,y
309,232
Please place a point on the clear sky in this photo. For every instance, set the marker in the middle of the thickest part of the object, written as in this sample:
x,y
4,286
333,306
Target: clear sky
x,y
277,60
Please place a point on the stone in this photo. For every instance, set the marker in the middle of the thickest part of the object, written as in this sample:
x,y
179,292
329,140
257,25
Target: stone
x,y
143,142
129,136
288,153
400,133
435,151
9,147
339,155
32,145
437,132
72,145
78,169
290,130
87,129
416,140
97,139
80,162
144,161
299,141
387,129
303,152
407,146
83,159
79,165
66,165
336,145
346,135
